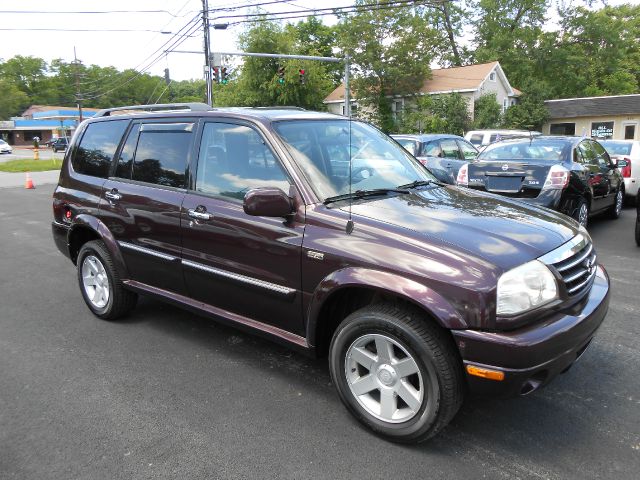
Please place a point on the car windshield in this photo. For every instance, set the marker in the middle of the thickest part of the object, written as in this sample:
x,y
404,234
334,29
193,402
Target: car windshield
x,y
322,149
547,150
617,148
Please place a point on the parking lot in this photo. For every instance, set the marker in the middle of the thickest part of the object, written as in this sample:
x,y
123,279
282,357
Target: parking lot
x,y
27,153
168,394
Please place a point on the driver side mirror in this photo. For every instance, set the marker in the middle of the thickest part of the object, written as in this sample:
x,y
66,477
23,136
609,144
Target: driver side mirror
x,y
267,202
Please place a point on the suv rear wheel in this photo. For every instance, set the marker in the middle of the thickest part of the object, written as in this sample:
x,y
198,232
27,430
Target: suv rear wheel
x,y
396,372
100,283
616,208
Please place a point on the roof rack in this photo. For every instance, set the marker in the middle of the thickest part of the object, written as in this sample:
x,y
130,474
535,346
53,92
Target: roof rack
x,y
277,107
192,107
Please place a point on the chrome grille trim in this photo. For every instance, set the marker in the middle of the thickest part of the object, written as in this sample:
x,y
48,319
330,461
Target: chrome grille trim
x,y
574,262
583,284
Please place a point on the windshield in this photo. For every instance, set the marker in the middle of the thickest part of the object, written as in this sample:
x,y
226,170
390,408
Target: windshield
x,y
617,148
321,149
537,150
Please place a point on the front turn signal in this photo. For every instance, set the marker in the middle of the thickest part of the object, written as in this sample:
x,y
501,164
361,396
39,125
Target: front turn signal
x,y
485,373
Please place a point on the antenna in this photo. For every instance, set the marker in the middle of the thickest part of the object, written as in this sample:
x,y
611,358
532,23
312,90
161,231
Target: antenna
x,y
347,111
349,227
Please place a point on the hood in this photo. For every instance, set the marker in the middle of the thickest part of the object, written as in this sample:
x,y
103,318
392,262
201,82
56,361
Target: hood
x,y
504,232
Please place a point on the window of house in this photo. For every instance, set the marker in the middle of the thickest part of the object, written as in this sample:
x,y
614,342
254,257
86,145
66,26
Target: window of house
x,y
97,147
505,104
562,129
162,153
234,159
629,132
492,76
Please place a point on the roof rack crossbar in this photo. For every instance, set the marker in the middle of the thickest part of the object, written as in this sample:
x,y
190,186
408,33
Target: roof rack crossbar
x,y
193,107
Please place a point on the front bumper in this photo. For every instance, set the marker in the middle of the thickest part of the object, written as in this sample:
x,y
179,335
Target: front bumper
x,y
531,356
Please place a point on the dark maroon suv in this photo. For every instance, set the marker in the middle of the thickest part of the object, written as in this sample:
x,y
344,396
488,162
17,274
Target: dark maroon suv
x,y
326,235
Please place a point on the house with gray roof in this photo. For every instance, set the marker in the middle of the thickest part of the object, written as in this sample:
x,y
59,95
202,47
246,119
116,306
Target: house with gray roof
x,y
616,116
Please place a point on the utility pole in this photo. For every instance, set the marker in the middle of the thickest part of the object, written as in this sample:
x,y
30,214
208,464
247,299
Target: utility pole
x,y
76,63
207,48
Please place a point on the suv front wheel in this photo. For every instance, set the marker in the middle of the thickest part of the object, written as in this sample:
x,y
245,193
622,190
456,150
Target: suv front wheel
x,y
396,372
100,283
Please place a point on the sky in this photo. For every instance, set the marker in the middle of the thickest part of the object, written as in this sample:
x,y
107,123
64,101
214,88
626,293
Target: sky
x,y
125,49
130,49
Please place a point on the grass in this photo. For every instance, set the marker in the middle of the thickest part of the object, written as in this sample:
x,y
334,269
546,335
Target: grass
x,y
30,165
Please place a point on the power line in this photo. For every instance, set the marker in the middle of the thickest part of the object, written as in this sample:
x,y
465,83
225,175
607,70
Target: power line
x,y
92,30
84,12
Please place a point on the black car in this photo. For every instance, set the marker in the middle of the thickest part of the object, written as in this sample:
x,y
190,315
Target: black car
x,y
442,154
59,144
572,175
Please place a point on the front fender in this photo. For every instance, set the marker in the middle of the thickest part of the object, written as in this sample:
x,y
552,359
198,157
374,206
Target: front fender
x,y
100,229
385,282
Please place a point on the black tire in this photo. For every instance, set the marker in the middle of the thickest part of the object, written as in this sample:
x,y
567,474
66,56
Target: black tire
x,y
581,212
120,300
616,209
433,353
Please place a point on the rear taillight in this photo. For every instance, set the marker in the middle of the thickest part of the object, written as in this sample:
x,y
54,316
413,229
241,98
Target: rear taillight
x,y
626,171
557,178
463,175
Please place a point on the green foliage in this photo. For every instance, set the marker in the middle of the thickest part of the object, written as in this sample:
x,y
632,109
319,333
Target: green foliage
x,y
530,112
12,99
390,52
255,83
437,114
487,112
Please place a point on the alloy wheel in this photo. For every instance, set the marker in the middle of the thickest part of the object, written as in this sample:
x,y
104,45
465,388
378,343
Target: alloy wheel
x,y
619,200
95,281
583,215
384,378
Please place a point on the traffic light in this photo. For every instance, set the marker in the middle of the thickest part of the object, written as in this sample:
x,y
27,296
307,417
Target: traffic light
x,y
281,75
302,77
224,76
167,79
214,74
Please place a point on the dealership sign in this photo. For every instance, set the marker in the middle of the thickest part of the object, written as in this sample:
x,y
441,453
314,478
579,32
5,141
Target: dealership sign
x,y
602,130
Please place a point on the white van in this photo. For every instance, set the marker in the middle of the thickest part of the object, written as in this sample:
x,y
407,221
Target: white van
x,y
482,138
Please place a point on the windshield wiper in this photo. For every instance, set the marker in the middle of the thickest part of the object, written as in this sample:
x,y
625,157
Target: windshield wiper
x,y
365,193
419,183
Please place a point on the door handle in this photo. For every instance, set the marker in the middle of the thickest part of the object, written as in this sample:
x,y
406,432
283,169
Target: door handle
x,y
198,215
113,195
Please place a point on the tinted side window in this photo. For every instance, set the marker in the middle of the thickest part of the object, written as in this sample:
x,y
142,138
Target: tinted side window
x,y
431,149
468,151
603,157
162,154
234,159
588,154
125,160
97,148
449,148
476,138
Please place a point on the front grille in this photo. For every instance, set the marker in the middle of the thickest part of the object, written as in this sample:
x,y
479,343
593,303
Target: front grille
x,y
575,262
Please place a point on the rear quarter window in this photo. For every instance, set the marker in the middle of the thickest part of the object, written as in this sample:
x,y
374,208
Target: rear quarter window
x,y
97,148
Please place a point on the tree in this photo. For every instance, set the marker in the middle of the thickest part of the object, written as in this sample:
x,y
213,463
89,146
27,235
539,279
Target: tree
x,y
487,112
438,114
256,83
13,101
390,50
530,112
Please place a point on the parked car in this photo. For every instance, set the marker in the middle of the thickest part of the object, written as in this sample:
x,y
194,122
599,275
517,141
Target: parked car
x,y
442,154
638,220
572,175
416,291
60,144
626,155
482,138
5,147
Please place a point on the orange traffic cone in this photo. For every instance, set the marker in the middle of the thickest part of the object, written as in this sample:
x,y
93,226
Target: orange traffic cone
x,y
29,183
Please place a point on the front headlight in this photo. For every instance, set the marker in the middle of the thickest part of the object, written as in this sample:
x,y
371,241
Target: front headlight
x,y
524,288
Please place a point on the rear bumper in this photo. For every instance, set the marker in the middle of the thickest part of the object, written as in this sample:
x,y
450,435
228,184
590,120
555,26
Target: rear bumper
x,y
532,356
60,233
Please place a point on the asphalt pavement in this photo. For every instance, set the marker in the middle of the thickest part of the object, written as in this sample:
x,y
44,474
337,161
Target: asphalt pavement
x,y
169,394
